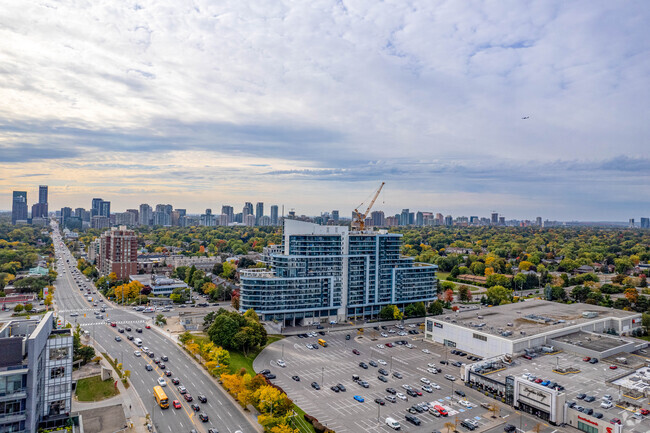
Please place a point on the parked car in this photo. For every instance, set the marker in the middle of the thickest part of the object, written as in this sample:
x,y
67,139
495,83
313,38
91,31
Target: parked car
x,y
315,385
359,398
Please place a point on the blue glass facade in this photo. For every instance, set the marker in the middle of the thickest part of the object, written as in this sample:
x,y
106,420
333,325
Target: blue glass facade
x,y
325,271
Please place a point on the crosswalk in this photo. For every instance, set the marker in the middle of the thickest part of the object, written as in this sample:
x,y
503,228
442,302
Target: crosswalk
x,y
118,322
83,310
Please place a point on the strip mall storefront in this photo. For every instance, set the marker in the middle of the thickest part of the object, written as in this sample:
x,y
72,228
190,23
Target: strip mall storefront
x,y
590,424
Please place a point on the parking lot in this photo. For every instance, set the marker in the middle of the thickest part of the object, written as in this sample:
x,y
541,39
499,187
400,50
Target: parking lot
x,y
336,363
592,380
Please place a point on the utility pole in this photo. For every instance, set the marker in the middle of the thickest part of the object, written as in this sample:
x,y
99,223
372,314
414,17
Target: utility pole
x,y
322,376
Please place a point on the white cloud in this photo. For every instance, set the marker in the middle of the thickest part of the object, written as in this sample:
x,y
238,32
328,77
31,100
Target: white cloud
x,y
389,81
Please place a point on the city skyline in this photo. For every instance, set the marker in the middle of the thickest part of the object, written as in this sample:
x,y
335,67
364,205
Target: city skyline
x,y
527,108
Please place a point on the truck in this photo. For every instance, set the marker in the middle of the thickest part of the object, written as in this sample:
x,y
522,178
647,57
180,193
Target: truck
x,y
90,298
392,423
137,342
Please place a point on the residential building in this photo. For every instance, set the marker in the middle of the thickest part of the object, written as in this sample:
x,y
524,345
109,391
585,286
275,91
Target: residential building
x,y
39,210
335,216
100,222
208,219
335,273
19,207
203,263
538,221
125,219
440,220
502,221
249,220
229,211
35,374
259,212
449,221
645,223
95,207
494,218
264,220
247,210
378,219
146,214
631,224
161,218
274,215
93,251
404,217
118,252
105,209
392,221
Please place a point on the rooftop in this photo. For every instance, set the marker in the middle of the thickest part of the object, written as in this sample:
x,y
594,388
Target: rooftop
x,y
535,316
595,342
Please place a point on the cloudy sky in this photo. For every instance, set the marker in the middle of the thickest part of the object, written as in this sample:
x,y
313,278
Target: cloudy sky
x,y
312,104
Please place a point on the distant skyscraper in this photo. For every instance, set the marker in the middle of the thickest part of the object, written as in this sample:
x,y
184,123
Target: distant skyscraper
x,y
105,209
419,219
259,212
247,210
145,214
449,221
404,217
631,223
378,219
538,221
495,218
19,206
66,213
335,216
229,212
42,194
274,215
645,223
79,212
95,208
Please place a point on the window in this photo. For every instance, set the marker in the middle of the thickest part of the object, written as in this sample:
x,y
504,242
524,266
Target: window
x,y
480,337
57,372
58,353
57,407
11,384
429,326
587,428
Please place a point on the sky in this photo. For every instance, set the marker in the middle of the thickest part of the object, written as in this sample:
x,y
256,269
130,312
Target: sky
x,y
313,104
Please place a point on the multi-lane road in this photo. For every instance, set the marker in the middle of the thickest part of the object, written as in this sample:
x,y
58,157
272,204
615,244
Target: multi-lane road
x,y
72,304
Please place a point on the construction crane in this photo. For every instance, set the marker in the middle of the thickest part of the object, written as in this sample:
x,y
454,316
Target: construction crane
x,y
359,219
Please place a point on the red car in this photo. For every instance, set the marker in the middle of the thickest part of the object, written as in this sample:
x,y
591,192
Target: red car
x,y
147,326
644,411
187,397
527,357
613,367
419,393
113,324
586,358
176,404
389,345
356,352
538,381
615,421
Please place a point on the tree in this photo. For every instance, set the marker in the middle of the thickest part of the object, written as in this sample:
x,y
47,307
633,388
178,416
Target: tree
x,y
645,321
435,308
18,308
48,300
498,295
29,307
464,294
631,295
448,296
390,312
234,300
283,428
87,353
580,293
415,310
160,320
450,426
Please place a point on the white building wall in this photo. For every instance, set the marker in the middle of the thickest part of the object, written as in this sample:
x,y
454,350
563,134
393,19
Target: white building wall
x,y
464,340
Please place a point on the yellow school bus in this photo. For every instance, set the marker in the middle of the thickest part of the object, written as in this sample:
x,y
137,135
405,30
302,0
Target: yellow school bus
x,y
161,397
322,342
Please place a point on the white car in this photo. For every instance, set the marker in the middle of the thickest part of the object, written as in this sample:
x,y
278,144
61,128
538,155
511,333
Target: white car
x,y
281,363
74,314
411,325
162,382
137,353
380,346
383,334
381,361
432,370
606,404
431,364
427,388
425,380
401,396
434,385
391,331
465,403
426,351
410,346
450,377
406,386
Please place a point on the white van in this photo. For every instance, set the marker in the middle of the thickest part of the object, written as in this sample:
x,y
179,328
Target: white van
x,y
392,423
137,342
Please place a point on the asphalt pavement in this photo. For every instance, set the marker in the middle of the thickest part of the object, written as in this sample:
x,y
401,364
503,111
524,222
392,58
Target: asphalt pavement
x,y
73,306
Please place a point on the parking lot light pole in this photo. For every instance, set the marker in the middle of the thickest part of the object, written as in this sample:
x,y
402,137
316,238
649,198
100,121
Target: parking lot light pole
x,y
282,350
378,414
322,375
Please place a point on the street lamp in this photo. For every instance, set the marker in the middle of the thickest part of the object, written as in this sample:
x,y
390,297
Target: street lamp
x,y
322,376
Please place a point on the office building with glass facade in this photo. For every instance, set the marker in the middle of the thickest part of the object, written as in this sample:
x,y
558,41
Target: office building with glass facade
x,y
332,272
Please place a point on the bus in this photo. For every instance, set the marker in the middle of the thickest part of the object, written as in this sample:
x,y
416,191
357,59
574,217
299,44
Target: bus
x,y
161,397
322,342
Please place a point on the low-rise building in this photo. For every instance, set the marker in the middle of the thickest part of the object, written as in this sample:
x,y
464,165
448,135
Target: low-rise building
x,y
160,285
514,328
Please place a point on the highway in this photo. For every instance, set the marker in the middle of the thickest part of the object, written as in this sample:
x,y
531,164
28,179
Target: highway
x,y
73,306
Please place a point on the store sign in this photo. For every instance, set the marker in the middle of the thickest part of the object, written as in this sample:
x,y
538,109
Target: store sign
x,y
588,421
534,396
437,325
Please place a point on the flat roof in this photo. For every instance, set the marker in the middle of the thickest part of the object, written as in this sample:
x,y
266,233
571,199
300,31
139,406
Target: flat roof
x,y
595,342
530,317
